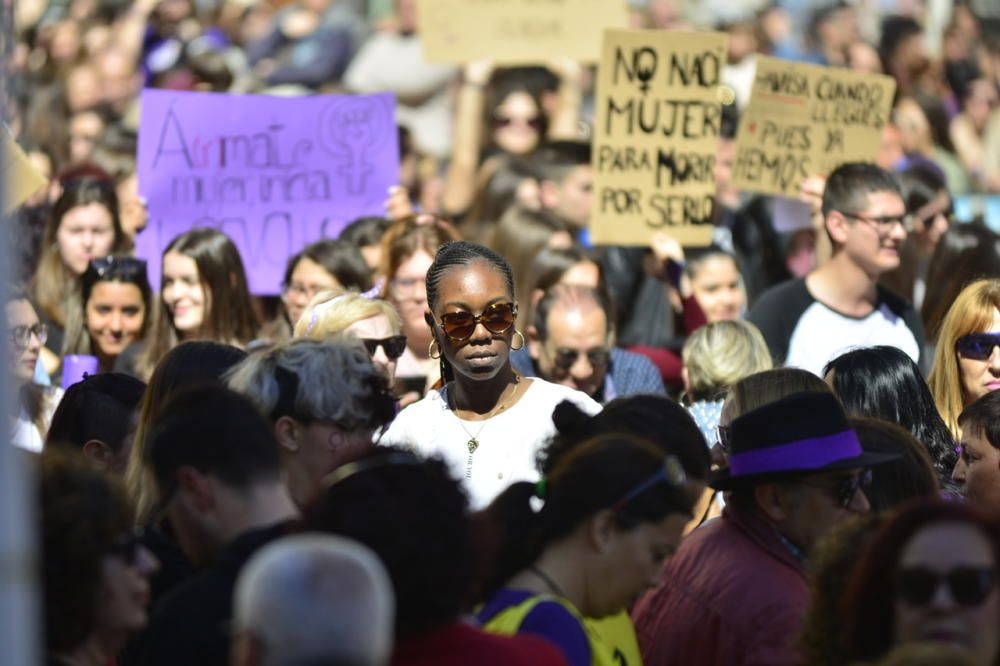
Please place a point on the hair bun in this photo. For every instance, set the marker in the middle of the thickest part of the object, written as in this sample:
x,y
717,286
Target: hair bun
x,y
569,419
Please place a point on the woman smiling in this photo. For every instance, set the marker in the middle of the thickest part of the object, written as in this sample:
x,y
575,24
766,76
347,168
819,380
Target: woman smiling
x,y
487,421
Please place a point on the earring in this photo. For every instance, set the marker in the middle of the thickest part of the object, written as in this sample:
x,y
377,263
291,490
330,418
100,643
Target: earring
x,y
430,349
517,333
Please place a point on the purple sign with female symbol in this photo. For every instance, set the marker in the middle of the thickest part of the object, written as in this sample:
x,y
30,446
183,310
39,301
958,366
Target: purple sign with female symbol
x,y
272,173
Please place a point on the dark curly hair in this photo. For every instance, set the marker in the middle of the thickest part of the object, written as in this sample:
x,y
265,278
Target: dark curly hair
x,y
83,513
412,513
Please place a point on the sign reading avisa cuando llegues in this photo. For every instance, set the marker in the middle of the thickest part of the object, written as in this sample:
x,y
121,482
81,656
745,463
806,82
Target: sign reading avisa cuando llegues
x,y
656,136
274,174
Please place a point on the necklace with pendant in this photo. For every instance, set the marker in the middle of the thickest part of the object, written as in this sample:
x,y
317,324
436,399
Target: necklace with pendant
x,y
473,442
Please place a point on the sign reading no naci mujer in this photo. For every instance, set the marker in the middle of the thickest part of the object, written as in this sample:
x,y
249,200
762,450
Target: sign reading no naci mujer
x,y
272,173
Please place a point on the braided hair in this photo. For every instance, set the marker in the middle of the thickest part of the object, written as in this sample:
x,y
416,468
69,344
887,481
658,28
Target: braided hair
x,y
459,254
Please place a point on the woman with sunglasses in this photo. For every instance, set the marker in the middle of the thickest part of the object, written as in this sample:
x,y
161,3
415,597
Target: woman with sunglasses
x,y
34,404
111,310
930,575
967,359
371,320
486,421
586,541
95,575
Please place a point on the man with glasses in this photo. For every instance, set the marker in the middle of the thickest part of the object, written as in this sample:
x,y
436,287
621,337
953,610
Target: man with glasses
x,y
571,342
736,591
840,305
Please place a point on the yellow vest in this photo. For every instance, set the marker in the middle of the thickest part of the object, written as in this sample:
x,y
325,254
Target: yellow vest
x,y
618,634
508,622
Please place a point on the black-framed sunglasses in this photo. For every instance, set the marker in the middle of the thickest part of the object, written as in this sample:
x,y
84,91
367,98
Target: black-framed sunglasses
x,y
722,436
393,346
671,473
844,490
977,346
968,586
497,318
564,358
20,336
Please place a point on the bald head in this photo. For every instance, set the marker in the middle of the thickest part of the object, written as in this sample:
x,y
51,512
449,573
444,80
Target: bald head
x,y
313,599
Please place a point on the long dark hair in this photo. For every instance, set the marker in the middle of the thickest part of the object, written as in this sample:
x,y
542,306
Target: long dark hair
x,y
868,604
49,287
229,312
884,383
459,254
127,270
965,253
581,478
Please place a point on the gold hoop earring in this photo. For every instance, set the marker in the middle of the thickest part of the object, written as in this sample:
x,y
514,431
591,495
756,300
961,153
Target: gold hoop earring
x,y
517,334
430,349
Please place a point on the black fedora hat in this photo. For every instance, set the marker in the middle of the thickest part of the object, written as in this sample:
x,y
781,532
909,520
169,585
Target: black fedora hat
x,y
801,434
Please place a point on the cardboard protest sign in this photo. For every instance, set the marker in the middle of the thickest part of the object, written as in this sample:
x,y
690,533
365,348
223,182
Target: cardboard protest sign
x,y
517,31
272,173
656,136
805,120
20,178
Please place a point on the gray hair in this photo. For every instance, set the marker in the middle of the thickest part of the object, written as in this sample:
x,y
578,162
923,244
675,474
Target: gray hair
x,y
336,380
316,598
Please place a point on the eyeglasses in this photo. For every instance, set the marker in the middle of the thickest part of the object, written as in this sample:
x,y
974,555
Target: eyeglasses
x,y
20,336
671,473
394,346
968,586
844,490
497,318
535,122
977,346
307,291
564,359
882,224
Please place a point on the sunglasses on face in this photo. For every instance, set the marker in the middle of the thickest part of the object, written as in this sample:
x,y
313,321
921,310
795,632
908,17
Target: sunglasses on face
x,y
844,490
534,122
977,346
497,318
20,336
968,586
564,359
112,266
394,346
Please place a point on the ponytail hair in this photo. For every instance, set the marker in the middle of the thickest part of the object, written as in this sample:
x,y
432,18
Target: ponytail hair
x,y
590,478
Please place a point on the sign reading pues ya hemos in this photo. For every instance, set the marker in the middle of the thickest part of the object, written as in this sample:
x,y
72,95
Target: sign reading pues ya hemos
x,y
274,174
805,120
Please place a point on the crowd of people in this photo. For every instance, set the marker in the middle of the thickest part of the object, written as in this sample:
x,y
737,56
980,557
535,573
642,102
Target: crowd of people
x,y
464,434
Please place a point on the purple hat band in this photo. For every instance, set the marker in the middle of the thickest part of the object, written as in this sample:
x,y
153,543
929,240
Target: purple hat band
x,y
801,455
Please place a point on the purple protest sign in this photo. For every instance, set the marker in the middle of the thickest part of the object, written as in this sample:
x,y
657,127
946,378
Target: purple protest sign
x,y
272,173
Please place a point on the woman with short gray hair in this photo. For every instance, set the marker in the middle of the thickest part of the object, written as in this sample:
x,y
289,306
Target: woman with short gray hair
x,y
326,401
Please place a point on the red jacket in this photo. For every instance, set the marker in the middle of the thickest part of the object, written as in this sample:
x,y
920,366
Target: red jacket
x,y
732,595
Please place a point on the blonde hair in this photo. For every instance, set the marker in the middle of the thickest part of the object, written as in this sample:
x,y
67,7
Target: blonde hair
x,y
720,354
323,317
971,312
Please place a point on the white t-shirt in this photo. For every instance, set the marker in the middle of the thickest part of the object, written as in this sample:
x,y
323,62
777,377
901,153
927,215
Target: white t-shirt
x,y
508,442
